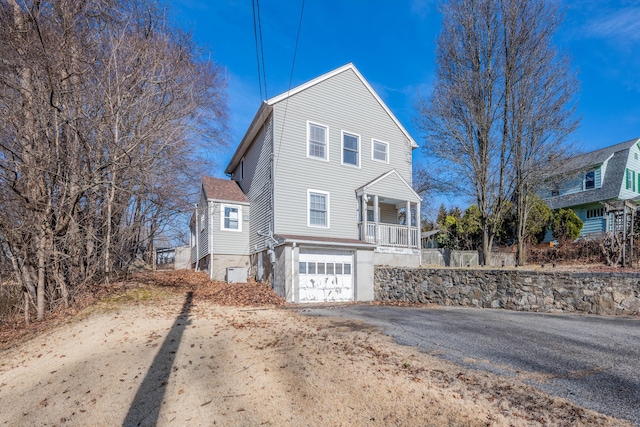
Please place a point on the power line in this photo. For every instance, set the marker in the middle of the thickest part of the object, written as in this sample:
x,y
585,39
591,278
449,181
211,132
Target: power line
x,y
264,75
295,49
293,64
255,36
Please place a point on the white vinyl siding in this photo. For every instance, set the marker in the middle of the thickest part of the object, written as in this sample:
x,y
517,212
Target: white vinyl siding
x,y
380,151
350,149
331,103
223,243
317,137
231,218
257,185
318,208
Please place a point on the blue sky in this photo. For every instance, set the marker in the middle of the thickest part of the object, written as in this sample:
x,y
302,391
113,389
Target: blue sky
x,y
393,44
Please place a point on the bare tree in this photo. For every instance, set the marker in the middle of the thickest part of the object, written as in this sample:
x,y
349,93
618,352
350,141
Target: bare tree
x,y
105,105
501,105
539,107
461,117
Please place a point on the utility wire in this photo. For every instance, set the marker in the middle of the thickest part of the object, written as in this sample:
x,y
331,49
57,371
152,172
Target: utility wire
x,y
264,75
255,36
293,64
295,49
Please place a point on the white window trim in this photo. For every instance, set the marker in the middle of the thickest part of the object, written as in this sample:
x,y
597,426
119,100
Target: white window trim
x,y
222,227
373,141
342,134
326,151
326,193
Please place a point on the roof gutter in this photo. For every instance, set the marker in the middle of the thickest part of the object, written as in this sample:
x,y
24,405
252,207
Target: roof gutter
x,y
362,245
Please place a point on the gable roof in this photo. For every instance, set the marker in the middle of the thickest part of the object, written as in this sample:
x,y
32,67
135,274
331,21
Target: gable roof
x,y
401,189
223,190
267,106
616,157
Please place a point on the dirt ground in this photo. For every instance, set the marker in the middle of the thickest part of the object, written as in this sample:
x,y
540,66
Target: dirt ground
x,y
180,359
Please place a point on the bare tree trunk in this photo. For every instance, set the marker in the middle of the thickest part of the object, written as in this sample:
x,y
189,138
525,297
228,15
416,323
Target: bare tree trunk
x,y
26,308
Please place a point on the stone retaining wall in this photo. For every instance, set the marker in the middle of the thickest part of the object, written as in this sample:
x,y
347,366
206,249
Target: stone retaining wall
x,y
599,293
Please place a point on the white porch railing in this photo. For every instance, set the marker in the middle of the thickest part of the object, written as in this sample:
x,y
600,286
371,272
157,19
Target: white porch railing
x,y
390,235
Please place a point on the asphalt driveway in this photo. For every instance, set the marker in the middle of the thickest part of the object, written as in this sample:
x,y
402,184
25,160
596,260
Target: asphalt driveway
x,y
593,361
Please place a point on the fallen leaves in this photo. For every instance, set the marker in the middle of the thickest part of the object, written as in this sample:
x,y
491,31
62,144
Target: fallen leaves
x,y
251,294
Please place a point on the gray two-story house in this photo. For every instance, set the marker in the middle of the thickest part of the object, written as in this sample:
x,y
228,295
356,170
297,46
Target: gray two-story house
x,y
327,170
586,182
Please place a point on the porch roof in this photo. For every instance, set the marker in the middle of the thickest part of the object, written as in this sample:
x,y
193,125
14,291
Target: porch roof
x,y
324,241
390,186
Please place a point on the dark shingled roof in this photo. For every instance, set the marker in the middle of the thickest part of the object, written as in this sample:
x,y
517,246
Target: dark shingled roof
x,y
222,189
611,182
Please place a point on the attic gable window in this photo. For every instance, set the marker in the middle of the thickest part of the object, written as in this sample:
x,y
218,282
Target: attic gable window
x,y
380,151
590,180
317,141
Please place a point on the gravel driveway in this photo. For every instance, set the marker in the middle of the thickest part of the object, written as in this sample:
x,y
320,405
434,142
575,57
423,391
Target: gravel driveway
x,y
591,360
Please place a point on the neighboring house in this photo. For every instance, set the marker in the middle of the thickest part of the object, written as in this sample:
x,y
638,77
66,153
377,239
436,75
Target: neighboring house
x,y
589,180
220,228
327,170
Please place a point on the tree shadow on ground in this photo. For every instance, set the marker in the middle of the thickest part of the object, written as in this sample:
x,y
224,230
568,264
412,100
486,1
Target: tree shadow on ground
x,y
145,408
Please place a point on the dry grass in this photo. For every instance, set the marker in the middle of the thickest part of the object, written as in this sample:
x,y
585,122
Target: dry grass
x,y
245,366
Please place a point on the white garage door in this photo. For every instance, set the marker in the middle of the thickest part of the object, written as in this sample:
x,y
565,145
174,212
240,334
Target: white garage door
x,y
325,275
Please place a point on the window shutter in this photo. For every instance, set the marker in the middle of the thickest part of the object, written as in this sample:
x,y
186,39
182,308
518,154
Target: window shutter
x,y
633,180
627,180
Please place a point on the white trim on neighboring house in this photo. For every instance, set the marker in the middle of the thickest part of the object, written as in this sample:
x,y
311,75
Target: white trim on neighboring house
x,y
373,143
223,206
327,207
359,149
326,141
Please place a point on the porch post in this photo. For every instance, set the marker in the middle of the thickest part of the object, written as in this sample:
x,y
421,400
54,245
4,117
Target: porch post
x,y
363,214
408,223
376,220
419,225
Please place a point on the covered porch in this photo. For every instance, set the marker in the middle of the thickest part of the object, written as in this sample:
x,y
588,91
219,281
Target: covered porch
x,y
389,212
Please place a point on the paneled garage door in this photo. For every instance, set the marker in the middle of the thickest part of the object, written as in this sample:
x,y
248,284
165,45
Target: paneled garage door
x,y
325,275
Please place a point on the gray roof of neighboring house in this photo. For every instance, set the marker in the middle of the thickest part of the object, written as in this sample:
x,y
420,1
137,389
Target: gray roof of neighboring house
x,y
223,190
610,183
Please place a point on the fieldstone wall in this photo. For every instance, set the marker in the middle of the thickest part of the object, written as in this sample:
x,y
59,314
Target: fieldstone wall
x,y
598,293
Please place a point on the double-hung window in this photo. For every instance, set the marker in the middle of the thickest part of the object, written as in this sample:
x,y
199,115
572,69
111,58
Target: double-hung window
x,y
318,209
380,151
230,217
317,141
350,149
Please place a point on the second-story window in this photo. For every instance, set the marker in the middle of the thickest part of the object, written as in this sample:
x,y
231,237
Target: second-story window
x,y
350,149
590,180
317,144
380,151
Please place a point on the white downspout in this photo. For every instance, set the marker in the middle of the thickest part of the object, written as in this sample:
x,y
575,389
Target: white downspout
x,y
210,235
293,288
197,234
